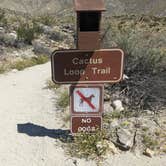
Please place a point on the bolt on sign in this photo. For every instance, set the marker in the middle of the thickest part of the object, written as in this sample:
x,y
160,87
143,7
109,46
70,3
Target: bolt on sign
x,y
75,66
86,99
85,124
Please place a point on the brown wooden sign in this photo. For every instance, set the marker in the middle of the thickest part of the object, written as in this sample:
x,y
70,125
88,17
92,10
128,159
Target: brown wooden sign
x,y
86,99
85,123
75,66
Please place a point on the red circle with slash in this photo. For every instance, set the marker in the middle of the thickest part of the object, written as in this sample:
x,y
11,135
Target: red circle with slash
x,y
82,102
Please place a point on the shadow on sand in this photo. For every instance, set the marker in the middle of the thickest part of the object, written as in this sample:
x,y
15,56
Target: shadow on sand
x,y
40,131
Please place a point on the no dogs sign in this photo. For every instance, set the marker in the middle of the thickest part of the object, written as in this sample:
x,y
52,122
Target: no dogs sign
x,y
85,123
86,99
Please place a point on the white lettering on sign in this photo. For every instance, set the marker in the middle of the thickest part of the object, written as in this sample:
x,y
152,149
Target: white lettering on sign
x,y
87,120
106,70
77,61
73,72
86,129
79,72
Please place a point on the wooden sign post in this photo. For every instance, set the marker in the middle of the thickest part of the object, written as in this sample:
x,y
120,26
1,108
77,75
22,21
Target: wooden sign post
x,y
87,68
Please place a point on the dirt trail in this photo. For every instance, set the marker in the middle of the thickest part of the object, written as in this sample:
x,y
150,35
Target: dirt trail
x,y
29,125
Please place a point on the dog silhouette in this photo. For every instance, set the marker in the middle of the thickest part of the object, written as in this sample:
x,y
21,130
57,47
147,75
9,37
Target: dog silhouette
x,y
87,98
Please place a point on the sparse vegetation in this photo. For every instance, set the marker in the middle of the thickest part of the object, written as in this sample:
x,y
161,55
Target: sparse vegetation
x,y
28,62
27,32
23,63
143,40
63,100
46,19
90,146
51,85
3,20
2,69
149,142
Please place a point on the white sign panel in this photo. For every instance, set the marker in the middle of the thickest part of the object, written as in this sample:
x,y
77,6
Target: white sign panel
x,y
86,99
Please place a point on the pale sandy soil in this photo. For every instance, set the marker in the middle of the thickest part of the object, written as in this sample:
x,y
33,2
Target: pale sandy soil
x,y
31,127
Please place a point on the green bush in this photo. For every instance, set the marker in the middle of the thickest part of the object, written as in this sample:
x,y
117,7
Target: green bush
x,y
28,31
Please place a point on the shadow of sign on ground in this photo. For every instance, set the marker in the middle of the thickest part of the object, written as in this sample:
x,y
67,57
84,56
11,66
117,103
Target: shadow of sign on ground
x,y
34,130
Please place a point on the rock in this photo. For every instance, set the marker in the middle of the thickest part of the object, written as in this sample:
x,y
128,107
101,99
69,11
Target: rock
x,y
117,104
125,139
46,29
108,108
55,33
125,77
10,39
23,53
2,30
107,86
148,152
41,48
14,71
107,97
20,44
148,112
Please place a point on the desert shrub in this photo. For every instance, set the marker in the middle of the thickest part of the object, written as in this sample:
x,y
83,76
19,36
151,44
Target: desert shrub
x,y
143,43
28,31
63,100
90,146
46,19
3,20
51,85
2,69
149,142
141,55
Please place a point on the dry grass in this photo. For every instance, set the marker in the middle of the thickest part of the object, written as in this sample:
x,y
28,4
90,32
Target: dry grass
x,y
22,63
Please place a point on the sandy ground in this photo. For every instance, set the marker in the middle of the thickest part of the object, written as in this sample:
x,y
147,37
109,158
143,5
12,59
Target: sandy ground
x,y
31,127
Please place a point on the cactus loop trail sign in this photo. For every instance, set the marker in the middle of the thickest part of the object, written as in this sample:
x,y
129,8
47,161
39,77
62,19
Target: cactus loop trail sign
x,y
81,66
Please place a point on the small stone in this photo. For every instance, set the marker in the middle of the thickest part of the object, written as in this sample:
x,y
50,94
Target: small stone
x,y
117,104
10,39
108,108
148,152
14,71
125,139
148,112
107,97
125,77
40,47
2,30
